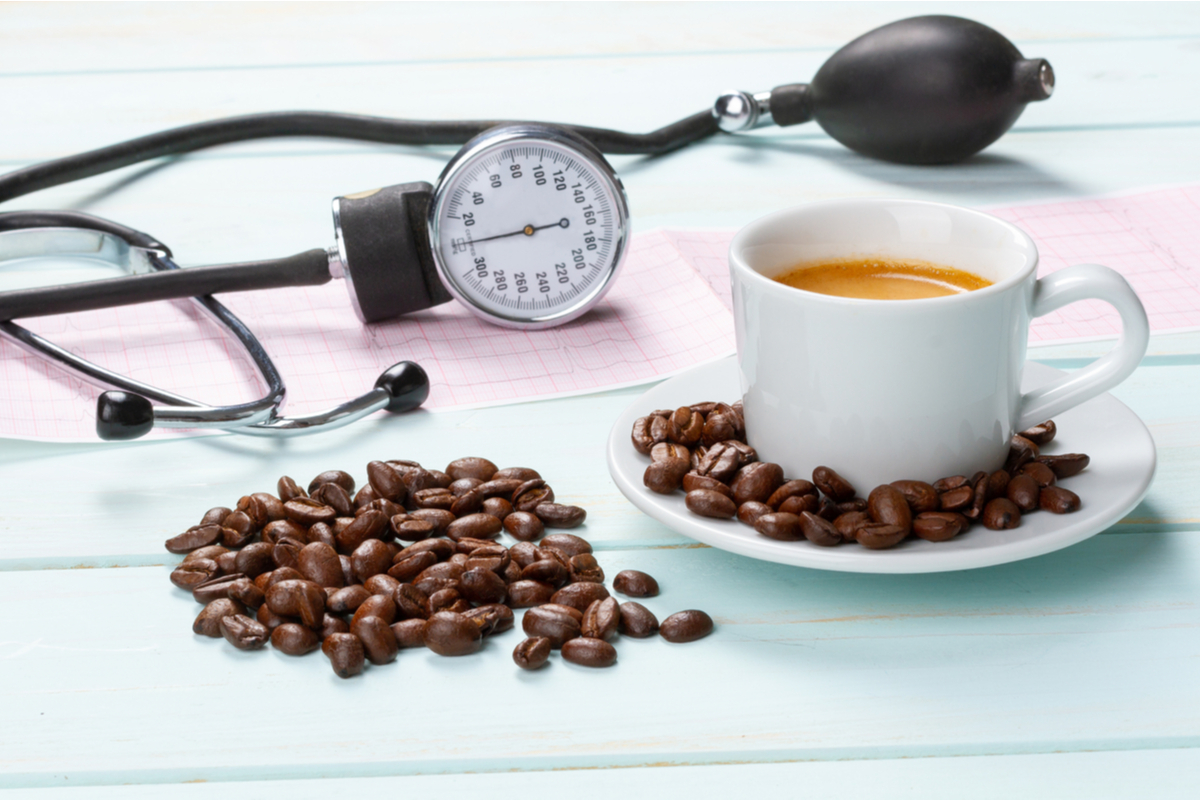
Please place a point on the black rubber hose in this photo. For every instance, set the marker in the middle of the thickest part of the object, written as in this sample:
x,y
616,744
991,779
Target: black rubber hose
x,y
190,138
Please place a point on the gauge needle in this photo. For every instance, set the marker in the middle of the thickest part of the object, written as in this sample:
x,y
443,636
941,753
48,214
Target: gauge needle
x,y
528,230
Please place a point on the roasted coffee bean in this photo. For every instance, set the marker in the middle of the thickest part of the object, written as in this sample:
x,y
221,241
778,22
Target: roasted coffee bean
x,y
1023,492
1058,500
665,477
323,533
848,524
686,426
262,508
191,574
1041,435
511,573
721,462
833,485
998,483
665,451
463,485
240,522
411,602
431,585
530,499
243,632
306,511
633,583
947,484
955,499
557,515
1020,452
282,574
532,653
979,496
331,623
483,586
370,558
440,479
409,565
245,592
781,526
368,525
516,473
346,600
320,564
412,529
756,481
938,526
378,641
365,497
527,593
887,505
281,529
547,570
492,618
720,425
494,557
214,589
827,510
790,489
601,619
386,482
212,552
566,543
293,598
586,652
450,634
409,633
819,531
337,498
637,621
271,620
880,535
1066,465
524,553
921,496
231,538
555,625
215,516
474,526
447,599
446,569
227,562
208,622
498,507
286,553
1041,474
686,626
694,480
442,549
1001,513
377,605
194,539
294,640
342,479
799,503
708,503
471,467
749,512
523,526
418,479
346,654
641,436
585,569
578,595
437,498
288,489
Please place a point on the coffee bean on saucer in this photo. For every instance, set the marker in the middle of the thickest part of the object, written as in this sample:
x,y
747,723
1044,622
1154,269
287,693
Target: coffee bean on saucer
x,y
749,512
1023,492
921,496
1058,500
848,524
832,484
1041,435
781,526
756,481
687,426
686,626
880,535
1042,474
956,499
819,531
532,653
887,505
708,503
1000,514
1066,465
944,485
588,652
665,477
1021,451
938,526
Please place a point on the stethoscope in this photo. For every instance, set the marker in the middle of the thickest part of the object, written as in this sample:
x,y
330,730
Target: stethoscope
x,y
527,225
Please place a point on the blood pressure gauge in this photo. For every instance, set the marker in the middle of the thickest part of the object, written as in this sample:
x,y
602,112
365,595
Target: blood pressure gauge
x,y
528,226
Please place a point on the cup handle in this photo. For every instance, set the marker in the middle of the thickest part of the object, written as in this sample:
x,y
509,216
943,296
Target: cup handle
x,y
1083,282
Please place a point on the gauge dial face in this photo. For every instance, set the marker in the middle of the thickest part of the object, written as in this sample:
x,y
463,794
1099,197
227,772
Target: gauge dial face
x,y
528,227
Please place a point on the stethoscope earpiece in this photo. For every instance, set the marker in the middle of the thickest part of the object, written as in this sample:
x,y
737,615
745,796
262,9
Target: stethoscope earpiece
x,y
407,385
121,416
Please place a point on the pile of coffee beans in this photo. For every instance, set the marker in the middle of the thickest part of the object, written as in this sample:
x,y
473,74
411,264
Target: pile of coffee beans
x,y
702,449
412,560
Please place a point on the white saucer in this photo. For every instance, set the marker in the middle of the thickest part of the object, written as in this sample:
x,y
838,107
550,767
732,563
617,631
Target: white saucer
x,y
1122,465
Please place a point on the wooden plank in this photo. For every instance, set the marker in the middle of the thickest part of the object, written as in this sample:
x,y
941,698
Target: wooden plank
x,y
103,682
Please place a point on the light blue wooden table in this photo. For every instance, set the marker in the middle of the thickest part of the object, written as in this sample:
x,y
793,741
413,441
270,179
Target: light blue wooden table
x,y
1072,675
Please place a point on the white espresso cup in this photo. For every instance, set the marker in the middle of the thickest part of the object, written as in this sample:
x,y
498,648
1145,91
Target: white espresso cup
x,y
884,390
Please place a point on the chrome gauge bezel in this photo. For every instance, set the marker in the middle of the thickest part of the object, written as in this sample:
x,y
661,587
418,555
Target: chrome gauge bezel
x,y
499,138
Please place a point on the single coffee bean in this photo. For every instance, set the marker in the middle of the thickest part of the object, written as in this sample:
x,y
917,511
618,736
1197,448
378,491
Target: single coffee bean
x,y
722,461
686,626
979,496
272,620
633,583
208,622
214,589
687,426
322,533
494,557
306,511
245,592
819,531
665,477
523,526
191,574
409,633
756,481
297,598
587,652
492,618
957,498
693,480
566,543
386,481
637,621
921,496
212,552
1020,452
601,619
331,623
1066,465
749,512
641,436
286,553
498,507
887,505
547,570
790,489
239,537
848,524
320,564
708,503
377,605
381,584
833,485
346,654
450,634
370,558
532,653
227,562
557,515
1041,474
474,526
411,529
347,600
483,586
880,535
1041,435
215,516
288,489
439,498
366,495
947,484
379,643
556,626
1058,500
243,632
529,593
471,467
585,569
799,503
516,473
410,565
1023,492
998,483
282,574
411,602
720,425
342,479
194,539
525,553
781,526
937,526
368,525
294,640
1000,513
665,451
579,595
463,485
442,549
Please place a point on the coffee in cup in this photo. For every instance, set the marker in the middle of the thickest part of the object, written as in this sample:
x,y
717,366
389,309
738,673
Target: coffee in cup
x,y
882,279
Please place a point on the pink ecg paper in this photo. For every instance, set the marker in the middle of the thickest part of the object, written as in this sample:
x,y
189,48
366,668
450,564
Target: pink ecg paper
x,y
669,310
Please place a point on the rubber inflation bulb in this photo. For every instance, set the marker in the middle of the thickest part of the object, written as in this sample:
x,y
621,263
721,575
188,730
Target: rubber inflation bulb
x,y
121,416
407,384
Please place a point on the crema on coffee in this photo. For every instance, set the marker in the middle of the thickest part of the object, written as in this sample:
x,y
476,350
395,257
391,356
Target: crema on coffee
x,y
882,279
